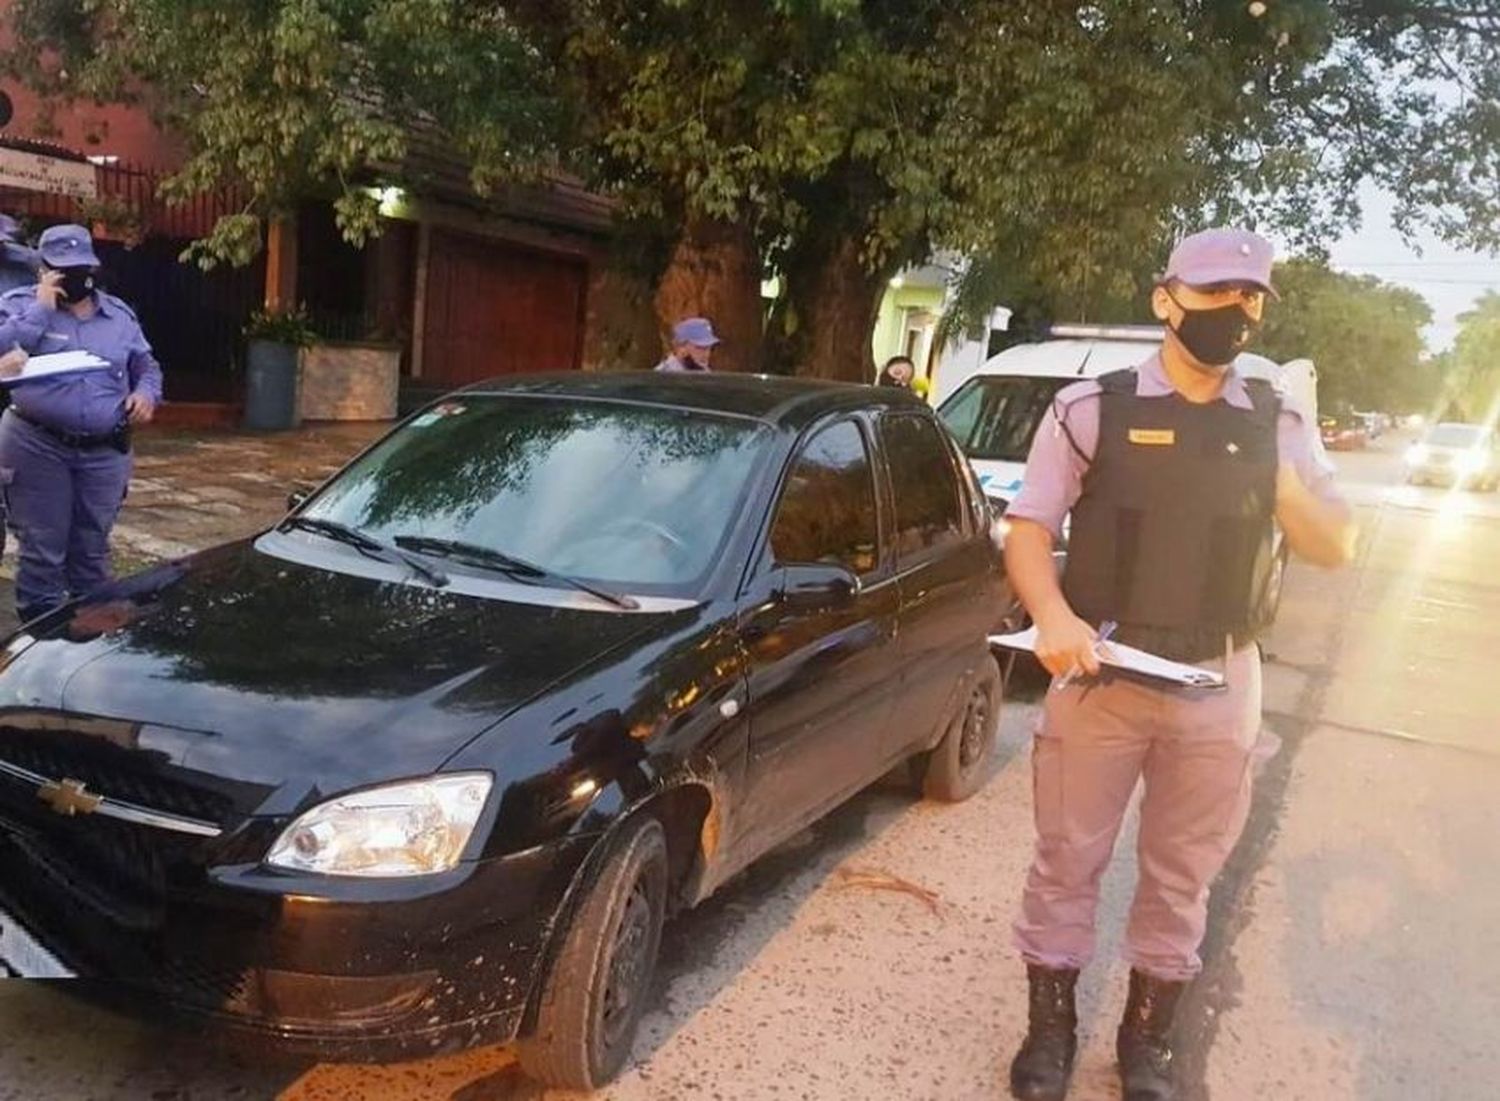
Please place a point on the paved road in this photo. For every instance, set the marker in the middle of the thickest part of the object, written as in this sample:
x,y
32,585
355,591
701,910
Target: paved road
x,y
1348,956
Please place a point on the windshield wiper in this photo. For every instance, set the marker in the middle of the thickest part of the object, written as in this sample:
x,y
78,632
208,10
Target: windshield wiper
x,y
368,544
473,554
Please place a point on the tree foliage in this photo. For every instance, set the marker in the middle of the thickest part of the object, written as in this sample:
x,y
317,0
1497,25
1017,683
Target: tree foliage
x,y
285,99
1060,146
1474,389
1364,335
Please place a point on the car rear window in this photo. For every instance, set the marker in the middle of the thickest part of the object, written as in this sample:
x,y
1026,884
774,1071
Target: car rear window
x,y
994,417
929,506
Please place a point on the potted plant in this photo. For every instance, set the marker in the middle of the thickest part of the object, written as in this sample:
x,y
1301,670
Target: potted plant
x,y
274,342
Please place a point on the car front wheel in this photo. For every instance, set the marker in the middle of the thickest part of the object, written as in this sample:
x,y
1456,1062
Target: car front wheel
x,y
593,995
960,764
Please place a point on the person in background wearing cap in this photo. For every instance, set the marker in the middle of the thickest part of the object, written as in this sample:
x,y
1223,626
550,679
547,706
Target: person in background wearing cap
x,y
18,263
18,266
693,343
65,440
1175,473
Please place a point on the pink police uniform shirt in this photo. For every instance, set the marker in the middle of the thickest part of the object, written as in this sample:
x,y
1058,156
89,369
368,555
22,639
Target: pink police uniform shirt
x,y
1069,431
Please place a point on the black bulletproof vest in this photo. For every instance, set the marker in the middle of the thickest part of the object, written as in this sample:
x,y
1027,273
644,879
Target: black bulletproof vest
x,y
1172,536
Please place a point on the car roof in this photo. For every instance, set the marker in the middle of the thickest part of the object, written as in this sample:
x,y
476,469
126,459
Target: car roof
x,y
790,403
1090,358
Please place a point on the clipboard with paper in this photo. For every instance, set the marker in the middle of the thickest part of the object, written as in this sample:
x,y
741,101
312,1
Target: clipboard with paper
x,y
55,364
1129,660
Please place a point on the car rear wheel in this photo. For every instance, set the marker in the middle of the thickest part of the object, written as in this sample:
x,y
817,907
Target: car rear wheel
x,y
960,764
592,997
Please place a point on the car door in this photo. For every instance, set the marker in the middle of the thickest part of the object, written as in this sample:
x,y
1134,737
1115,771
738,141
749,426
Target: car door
x,y
945,573
818,624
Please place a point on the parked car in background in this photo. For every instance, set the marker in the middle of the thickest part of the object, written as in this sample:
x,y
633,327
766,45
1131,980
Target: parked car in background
x,y
1455,454
1343,432
994,413
428,763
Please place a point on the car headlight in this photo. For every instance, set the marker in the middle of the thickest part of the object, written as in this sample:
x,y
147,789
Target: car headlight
x,y
1417,454
417,827
1471,462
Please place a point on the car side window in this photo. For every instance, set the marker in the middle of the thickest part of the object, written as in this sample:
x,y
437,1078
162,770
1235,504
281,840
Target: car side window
x,y
929,508
827,512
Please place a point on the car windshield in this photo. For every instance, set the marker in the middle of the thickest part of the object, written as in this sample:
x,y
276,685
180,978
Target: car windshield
x,y
1456,435
995,416
636,498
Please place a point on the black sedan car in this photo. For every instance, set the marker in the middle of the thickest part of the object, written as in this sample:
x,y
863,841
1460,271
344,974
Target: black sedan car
x,y
428,763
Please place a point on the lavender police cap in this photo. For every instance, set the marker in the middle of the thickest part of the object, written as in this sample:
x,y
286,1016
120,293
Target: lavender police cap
x,y
1222,256
694,330
67,247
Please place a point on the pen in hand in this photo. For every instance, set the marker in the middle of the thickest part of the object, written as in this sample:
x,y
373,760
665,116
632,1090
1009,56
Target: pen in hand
x,y
1106,629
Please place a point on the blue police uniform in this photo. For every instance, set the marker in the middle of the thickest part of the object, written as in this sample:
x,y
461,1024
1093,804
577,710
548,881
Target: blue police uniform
x,y
64,452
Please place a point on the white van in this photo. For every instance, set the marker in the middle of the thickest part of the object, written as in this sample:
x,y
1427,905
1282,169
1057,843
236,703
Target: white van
x,y
993,411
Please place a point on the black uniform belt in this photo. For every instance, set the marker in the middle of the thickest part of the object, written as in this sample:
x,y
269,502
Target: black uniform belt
x,y
1189,645
119,439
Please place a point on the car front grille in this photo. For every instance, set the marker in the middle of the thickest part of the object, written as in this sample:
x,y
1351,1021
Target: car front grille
x,y
129,776
119,870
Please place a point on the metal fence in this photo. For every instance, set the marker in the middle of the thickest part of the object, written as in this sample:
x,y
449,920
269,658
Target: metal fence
x,y
193,318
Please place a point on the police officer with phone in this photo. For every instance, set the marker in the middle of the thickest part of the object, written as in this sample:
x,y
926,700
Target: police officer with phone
x,y
1176,473
65,456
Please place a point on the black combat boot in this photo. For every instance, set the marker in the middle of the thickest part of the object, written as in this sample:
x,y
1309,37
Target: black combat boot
x,y
1143,1043
1042,1067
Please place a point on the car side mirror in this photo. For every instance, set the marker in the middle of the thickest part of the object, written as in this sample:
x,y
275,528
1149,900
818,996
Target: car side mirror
x,y
820,586
297,498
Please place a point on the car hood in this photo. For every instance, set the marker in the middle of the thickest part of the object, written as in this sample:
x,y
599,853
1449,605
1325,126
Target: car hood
x,y
278,680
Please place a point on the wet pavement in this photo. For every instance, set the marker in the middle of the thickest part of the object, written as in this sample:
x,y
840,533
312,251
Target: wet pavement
x,y
194,490
1348,953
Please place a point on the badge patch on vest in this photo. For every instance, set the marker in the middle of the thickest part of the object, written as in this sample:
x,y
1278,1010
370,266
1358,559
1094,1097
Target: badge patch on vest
x,y
1154,437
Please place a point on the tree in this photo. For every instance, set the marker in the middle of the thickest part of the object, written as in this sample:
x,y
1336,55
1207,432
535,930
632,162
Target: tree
x,y
294,98
1364,335
1474,390
1062,146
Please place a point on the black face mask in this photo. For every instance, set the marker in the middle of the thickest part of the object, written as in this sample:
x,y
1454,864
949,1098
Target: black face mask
x,y
1215,337
77,283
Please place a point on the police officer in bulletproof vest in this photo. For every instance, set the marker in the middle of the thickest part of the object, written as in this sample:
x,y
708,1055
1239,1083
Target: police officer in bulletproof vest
x,y
1177,473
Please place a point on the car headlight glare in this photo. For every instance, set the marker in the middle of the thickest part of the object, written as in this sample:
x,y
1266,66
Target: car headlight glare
x,y
416,827
1417,453
1471,462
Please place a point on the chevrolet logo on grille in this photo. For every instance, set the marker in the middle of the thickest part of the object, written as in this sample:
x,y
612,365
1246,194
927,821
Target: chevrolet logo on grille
x,y
69,797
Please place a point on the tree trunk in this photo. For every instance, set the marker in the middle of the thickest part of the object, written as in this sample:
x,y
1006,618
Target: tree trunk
x,y
715,272
827,319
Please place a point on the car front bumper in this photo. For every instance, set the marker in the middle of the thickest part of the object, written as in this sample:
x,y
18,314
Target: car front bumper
x,y
1448,474
332,968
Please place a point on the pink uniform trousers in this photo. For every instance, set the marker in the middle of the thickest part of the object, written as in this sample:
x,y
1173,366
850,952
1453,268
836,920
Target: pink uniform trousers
x,y
1194,750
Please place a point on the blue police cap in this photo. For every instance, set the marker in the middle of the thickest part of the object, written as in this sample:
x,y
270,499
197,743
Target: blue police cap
x,y
67,247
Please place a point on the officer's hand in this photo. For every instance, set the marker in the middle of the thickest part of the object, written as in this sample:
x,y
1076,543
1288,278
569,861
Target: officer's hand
x,y
12,363
49,289
1064,642
139,409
